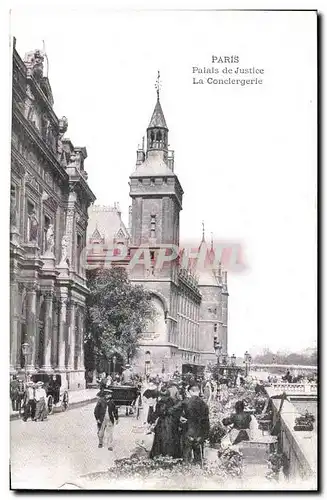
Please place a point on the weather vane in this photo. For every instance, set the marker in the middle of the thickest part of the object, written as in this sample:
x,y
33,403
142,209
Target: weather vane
x,y
158,84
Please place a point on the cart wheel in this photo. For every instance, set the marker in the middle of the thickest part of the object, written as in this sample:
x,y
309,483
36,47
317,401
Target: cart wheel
x,y
50,405
65,401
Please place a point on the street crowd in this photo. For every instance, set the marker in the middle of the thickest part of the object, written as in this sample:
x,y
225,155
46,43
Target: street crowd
x,y
175,411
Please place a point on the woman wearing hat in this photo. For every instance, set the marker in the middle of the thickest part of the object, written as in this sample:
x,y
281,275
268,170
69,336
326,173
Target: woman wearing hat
x,y
166,440
40,398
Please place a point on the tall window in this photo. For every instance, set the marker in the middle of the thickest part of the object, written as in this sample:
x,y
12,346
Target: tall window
x,y
30,211
13,205
46,224
153,226
78,252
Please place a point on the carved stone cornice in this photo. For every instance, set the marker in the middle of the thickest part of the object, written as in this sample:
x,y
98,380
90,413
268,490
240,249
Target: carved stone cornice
x,y
48,295
37,140
32,287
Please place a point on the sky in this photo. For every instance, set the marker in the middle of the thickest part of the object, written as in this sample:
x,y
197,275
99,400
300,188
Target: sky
x,y
245,155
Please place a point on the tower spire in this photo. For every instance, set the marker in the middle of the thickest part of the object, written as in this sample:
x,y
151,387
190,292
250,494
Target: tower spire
x,y
157,131
158,85
203,238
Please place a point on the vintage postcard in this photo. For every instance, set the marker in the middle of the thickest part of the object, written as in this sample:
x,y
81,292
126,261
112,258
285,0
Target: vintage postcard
x,y
163,204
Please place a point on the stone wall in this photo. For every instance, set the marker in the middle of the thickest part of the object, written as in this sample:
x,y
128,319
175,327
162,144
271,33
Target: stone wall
x,y
300,447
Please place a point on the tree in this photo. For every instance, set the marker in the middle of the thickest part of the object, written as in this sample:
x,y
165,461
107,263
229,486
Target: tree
x,y
117,314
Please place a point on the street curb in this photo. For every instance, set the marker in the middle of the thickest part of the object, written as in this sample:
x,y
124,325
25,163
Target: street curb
x,y
71,406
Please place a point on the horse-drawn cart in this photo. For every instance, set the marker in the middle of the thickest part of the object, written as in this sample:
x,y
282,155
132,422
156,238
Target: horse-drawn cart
x,y
125,395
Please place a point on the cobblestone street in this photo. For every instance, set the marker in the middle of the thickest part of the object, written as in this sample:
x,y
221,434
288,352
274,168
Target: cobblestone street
x,y
51,453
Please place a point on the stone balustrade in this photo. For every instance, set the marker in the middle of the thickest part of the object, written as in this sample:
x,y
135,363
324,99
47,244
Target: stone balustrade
x,y
299,388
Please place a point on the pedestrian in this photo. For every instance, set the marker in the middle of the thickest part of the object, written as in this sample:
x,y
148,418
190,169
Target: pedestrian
x,y
102,381
173,390
40,398
207,390
127,376
29,403
195,420
14,393
150,395
165,420
106,414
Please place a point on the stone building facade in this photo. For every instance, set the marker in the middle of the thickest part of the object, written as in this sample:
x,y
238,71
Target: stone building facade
x,y
50,198
191,303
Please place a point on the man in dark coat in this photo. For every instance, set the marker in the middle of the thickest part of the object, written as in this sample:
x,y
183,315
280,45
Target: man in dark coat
x,y
106,414
195,419
29,402
14,393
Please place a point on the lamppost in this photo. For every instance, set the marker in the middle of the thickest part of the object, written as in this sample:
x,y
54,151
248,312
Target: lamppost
x,y
25,351
233,360
247,361
114,359
217,347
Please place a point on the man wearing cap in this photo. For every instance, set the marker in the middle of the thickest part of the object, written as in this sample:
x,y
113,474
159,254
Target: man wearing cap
x,y
29,402
106,414
40,398
195,420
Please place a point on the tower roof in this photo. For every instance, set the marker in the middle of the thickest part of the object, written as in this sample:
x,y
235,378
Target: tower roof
x,y
158,119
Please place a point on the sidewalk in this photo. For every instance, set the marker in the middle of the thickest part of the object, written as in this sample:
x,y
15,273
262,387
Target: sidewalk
x,y
76,399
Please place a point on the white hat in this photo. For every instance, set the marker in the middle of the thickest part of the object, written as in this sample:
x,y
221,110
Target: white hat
x,y
39,382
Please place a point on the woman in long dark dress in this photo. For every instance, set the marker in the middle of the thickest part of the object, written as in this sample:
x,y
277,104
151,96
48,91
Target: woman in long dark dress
x,y
166,434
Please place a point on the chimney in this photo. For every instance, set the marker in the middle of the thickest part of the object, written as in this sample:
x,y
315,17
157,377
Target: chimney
x,y
170,159
140,154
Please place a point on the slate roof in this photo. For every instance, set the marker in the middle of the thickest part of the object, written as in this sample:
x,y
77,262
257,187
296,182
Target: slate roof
x,y
152,166
105,222
158,119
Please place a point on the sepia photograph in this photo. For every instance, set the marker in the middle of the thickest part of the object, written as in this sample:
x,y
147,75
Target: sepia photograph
x,y
163,249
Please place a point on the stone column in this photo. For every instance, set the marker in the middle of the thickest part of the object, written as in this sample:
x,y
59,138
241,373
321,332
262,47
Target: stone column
x,y
71,341
21,289
62,333
14,324
80,340
47,340
54,337
31,324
